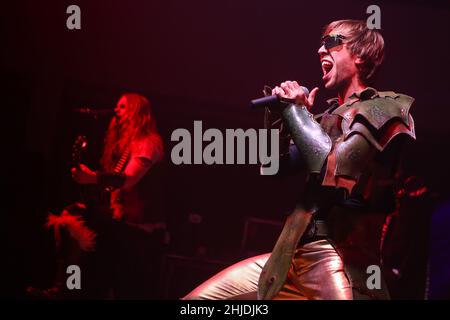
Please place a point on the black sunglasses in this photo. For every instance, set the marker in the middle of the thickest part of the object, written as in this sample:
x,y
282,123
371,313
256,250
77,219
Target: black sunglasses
x,y
332,40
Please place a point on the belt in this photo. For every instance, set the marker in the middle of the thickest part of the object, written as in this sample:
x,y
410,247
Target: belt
x,y
316,230
321,228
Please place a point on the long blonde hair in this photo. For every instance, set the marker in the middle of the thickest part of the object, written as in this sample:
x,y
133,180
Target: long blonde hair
x,y
138,123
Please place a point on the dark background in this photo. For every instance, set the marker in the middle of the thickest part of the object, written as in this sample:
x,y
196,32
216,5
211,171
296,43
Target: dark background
x,y
195,60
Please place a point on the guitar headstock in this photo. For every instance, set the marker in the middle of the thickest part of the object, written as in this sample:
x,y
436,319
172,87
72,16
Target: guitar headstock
x,y
78,148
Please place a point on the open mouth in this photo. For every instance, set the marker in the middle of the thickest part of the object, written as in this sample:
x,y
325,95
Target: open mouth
x,y
326,67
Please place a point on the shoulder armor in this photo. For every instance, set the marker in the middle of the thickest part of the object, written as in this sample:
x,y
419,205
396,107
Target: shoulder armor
x,y
379,119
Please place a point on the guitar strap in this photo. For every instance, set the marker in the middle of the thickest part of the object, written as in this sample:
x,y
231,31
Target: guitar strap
x,y
120,165
123,160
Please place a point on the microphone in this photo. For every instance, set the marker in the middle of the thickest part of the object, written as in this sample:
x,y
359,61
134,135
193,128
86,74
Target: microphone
x,y
94,112
272,101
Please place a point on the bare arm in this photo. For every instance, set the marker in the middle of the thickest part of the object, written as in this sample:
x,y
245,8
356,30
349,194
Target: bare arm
x,y
143,156
135,170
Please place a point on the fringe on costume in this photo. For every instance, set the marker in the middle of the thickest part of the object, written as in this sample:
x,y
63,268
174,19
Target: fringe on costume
x,y
76,227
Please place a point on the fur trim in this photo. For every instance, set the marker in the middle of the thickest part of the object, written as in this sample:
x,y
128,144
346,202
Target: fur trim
x,y
76,227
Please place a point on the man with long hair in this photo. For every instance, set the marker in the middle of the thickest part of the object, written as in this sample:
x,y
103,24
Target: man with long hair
x,y
132,146
125,235
350,159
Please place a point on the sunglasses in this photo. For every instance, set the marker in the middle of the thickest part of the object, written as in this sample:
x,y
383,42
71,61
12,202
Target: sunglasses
x,y
332,40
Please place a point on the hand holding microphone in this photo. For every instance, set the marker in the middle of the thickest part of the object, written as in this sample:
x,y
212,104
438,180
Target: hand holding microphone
x,y
293,91
287,92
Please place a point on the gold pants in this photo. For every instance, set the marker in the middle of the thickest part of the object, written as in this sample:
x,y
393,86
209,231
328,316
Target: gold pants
x,y
317,272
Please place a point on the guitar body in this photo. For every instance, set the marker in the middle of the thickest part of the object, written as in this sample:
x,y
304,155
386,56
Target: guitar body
x,y
90,195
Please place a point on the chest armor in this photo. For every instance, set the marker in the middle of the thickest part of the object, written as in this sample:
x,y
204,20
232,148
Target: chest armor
x,y
361,131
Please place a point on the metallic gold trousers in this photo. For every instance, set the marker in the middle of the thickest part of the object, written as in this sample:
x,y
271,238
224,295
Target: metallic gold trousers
x,y
317,272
